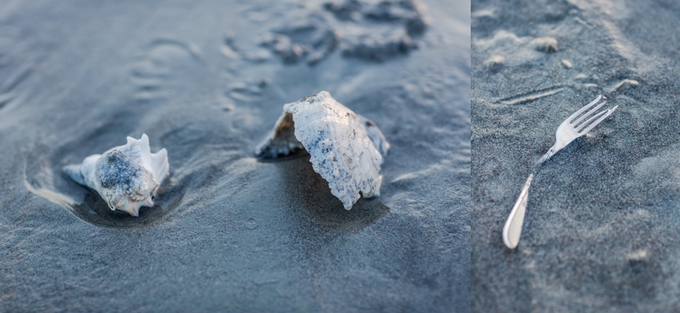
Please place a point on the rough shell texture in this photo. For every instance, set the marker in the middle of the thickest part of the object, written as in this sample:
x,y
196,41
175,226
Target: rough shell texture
x,y
346,149
126,177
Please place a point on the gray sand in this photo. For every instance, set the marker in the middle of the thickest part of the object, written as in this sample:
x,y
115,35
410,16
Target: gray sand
x,y
229,232
602,230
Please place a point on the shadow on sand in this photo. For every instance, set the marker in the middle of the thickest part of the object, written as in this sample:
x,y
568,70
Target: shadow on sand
x,y
308,189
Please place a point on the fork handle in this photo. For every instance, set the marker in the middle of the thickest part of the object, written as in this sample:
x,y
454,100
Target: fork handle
x,y
513,226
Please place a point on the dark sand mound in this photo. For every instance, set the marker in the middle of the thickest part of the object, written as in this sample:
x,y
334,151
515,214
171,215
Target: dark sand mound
x,y
601,230
229,232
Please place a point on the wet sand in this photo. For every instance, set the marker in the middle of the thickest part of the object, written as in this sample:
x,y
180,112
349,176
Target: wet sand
x,y
230,232
601,230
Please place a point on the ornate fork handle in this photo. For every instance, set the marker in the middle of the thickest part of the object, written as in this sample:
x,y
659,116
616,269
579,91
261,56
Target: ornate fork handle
x,y
513,226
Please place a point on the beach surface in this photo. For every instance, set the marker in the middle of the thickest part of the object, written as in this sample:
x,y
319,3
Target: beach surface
x,y
602,229
207,80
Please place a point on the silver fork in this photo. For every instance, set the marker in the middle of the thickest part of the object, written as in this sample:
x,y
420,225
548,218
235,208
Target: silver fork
x,y
576,125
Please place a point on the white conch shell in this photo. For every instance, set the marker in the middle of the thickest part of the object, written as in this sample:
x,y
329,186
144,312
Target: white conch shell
x,y
126,177
345,148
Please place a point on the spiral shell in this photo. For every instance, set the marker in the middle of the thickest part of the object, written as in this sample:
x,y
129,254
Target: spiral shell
x,y
127,177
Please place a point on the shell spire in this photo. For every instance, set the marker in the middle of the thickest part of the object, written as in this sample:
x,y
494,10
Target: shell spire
x,y
127,177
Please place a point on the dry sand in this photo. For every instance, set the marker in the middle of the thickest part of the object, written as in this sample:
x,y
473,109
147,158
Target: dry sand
x,y
602,233
229,232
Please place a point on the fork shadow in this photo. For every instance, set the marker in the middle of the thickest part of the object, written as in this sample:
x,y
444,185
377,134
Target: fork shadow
x,y
307,189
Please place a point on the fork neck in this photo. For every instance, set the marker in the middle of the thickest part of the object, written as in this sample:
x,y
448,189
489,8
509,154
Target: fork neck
x,y
547,155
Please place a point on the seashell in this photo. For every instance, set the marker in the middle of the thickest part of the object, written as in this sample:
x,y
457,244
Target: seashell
x,y
346,149
126,177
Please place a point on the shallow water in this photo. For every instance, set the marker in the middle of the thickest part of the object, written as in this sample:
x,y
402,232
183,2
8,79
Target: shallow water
x,y
228,232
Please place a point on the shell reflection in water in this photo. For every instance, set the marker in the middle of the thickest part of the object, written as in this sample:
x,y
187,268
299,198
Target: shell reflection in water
x,y
346,149
126,177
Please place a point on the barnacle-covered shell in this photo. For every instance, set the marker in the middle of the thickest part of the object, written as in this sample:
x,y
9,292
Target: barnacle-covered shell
x,y
346,149
126,177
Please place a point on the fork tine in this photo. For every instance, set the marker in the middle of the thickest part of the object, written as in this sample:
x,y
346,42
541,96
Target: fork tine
x,y
598,121
578,121
589,122
586,107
